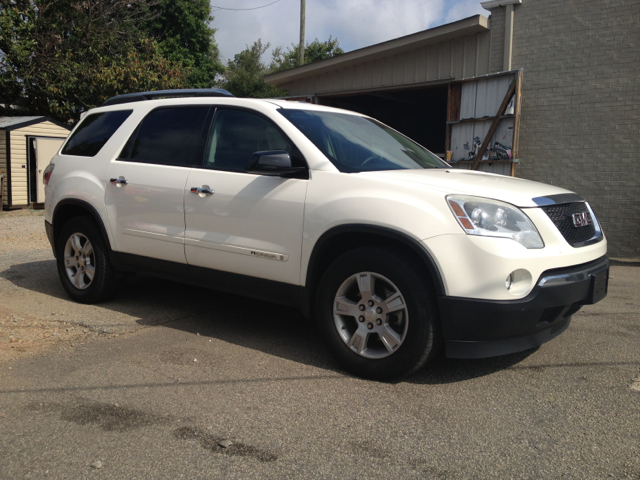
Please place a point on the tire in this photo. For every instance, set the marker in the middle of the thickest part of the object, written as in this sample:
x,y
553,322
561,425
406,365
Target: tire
x,y
83,263
385,335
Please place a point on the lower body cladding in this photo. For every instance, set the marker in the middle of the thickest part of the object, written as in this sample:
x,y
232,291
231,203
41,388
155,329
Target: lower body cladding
x,y
472,328
475,328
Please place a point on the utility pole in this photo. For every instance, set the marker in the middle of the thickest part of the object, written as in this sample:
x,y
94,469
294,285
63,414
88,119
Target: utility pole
x,y
302,7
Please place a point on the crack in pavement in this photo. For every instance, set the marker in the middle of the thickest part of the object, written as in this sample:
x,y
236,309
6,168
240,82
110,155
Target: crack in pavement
x,y
175,384
635,384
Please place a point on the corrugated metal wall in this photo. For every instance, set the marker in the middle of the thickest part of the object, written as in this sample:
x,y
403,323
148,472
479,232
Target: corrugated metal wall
x,y
445,61
481,99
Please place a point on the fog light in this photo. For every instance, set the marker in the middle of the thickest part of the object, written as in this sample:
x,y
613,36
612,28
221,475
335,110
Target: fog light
x,y
519,282
509,281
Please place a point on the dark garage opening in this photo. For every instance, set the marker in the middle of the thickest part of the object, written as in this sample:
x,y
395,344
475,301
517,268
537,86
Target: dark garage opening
x,y
420,114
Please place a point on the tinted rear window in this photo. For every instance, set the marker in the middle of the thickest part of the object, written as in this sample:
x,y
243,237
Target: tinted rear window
x,y
94,131
169,136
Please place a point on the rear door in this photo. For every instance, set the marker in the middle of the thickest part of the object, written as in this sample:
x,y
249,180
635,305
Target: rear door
x,y
238,222
145,190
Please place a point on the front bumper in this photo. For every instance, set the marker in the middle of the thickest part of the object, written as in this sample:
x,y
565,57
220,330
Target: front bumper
x,y
475,328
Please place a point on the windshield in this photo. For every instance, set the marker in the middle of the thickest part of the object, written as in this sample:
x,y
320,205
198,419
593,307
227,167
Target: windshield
x,y
359,144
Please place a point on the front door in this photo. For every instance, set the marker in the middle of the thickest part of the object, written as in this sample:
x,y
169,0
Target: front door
x,y
238,222
145,189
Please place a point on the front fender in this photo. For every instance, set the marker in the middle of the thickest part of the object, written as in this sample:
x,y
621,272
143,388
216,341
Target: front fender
x,y
336,199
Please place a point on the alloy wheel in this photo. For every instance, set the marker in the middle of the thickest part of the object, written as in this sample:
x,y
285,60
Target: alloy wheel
x,y
370,315
79,261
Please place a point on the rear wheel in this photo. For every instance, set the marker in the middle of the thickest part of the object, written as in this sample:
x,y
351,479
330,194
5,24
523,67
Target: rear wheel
x,y
83,263
377,312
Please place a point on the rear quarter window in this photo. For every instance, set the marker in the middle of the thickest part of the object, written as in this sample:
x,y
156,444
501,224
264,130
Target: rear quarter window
x,y
94,131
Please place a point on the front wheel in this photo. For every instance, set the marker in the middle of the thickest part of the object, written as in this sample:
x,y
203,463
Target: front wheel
x,y
377,312
83,263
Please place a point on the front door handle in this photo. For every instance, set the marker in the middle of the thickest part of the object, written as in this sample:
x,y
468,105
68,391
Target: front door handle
x,y
204,189
119,181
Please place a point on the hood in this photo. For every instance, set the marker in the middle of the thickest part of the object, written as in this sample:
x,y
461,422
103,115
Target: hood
x,y
516,191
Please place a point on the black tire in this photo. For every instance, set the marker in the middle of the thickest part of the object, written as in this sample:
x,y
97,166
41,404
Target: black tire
x,y
103,284
421,337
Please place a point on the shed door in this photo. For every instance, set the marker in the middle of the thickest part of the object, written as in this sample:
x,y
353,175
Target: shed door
x,y
482,123
43,148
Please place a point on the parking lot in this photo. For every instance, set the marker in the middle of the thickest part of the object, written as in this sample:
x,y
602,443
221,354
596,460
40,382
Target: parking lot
x,y
172,381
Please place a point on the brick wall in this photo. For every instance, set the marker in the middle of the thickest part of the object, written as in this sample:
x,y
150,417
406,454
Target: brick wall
x,y
580,124
497,25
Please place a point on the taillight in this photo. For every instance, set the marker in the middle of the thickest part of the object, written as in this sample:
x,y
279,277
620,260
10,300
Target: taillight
x,y
47,173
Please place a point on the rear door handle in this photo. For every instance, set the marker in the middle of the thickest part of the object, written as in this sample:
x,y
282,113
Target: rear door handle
x,y
204,189
119,181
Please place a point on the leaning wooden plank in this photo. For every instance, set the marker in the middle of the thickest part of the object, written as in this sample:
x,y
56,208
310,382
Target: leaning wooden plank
x,y
494,124
516,126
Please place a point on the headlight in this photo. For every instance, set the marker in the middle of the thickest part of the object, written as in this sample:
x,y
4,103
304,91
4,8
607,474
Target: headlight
x,y
491,218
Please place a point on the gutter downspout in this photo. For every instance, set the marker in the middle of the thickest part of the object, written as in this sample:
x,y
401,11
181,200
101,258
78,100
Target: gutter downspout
x,y
508,28
508,38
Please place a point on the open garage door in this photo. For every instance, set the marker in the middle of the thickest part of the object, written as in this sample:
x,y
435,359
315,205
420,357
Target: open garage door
x,y
473,123
419,113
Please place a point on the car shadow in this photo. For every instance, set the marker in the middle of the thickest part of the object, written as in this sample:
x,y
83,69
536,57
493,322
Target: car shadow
x,y
269,328
442,370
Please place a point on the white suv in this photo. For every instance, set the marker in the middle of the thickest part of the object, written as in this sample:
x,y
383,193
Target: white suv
x,y
393,252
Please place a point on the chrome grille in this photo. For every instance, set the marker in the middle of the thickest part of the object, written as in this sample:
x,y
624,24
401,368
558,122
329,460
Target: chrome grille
x,y
561,216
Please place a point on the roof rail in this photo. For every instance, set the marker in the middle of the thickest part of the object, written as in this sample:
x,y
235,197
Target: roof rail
x,y
193,92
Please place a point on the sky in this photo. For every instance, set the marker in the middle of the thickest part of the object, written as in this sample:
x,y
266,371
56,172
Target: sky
x,y
355,23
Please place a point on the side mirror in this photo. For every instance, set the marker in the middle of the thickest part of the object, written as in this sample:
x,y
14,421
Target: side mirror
x,y
274,163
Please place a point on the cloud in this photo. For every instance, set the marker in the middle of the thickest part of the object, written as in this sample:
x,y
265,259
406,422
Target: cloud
x,y
464,8
360,23
355,23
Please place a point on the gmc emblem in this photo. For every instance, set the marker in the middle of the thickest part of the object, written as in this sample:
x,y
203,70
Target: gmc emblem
x,y
581,219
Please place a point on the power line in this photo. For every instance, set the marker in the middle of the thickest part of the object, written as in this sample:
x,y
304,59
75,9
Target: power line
x,y
242,9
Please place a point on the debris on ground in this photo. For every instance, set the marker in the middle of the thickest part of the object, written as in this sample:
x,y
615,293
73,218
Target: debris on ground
x,y
27,334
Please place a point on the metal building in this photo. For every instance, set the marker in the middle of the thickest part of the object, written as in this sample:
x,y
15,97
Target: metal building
x,y
435,86
542,89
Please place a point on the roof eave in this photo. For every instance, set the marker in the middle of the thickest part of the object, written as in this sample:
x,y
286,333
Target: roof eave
x,y
28,123
461,28
491,4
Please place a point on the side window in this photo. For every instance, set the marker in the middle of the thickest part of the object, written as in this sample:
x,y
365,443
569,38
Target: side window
x,y
94,131
169,136
237,134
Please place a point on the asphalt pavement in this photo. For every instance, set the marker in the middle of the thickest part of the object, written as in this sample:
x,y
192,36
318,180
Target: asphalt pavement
x,y
174,381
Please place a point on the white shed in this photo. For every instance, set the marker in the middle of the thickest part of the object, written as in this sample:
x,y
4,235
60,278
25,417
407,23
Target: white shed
x,y
27,145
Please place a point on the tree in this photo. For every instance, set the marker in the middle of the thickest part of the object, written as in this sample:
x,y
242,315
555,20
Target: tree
x,y
245,74
61,57
314,52
184,36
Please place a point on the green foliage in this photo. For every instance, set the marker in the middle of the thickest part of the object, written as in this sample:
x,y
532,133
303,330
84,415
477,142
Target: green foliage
x,y
184,37
245,74
61,57
314,52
